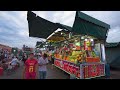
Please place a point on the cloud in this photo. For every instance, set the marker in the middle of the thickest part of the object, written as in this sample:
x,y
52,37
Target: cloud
x,y
110,17
24,33
113,35
64,17
14,29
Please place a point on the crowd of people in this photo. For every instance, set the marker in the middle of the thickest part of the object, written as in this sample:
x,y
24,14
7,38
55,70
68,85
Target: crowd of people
x,y
34,65
8,60
4,55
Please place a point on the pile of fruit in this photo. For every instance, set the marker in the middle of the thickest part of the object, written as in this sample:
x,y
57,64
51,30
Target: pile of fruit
x,y
73,57
78,53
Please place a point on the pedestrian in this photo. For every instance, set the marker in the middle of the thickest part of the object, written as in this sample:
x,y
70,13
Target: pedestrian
x,y
31,68
2,57
14,61
42,62
107,70
24,58
40,54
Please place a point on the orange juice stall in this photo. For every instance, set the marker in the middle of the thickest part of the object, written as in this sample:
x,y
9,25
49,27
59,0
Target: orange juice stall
x,y
79,57
81,52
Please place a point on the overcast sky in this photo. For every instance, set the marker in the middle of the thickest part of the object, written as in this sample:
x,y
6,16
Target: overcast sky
x,y
14,25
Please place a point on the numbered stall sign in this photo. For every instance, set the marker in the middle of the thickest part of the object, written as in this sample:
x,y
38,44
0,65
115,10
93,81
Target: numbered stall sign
x,y
31,69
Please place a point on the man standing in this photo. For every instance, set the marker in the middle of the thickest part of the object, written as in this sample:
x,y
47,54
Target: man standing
x,y
42,62
24,58
30,69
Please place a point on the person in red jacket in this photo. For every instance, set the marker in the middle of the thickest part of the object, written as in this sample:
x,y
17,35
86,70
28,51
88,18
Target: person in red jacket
x,y
30,69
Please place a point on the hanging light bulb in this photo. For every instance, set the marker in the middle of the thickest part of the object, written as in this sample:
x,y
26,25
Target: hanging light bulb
x,y
75,40
85,39
91,39
82,37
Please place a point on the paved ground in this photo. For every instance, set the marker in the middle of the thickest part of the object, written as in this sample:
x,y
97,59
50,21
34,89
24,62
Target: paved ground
x,y
115,74
15,75
53,73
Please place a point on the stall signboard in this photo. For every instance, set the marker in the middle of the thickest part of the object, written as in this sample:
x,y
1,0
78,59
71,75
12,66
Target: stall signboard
x,y
88,70
93,70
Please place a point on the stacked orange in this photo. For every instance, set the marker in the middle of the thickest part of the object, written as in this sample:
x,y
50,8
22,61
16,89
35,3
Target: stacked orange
x,y
67,57
92,59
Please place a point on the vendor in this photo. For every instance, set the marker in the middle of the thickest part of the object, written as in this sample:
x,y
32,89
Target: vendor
x,y
107,70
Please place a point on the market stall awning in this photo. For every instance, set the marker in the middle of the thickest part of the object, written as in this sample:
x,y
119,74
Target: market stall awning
x,y
88,25
58,36
39,27
42,28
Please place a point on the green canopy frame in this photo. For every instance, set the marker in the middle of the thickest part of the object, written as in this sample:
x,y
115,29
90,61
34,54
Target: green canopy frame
x,y
88,25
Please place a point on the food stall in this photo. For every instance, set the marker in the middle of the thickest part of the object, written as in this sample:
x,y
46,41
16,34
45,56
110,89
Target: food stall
x,y
81,54
79,57
79,50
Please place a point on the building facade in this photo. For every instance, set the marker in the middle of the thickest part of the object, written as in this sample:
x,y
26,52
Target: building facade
x,y
5,47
